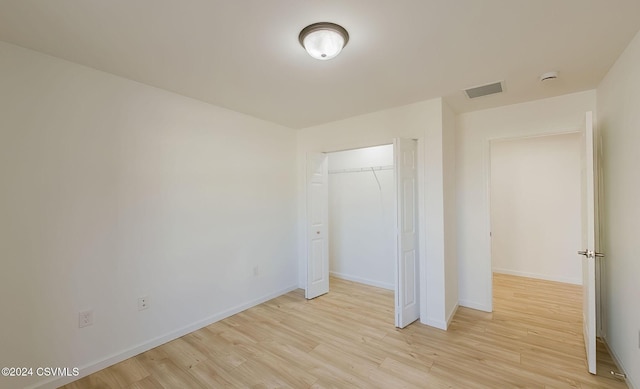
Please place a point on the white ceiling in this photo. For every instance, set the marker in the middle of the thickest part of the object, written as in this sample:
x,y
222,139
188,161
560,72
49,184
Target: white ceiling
x,y
244,54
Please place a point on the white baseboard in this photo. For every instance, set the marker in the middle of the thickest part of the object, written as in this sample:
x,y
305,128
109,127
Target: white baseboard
x,y
439,324
95,366
475,305
451,315
360,280
630,382
566,280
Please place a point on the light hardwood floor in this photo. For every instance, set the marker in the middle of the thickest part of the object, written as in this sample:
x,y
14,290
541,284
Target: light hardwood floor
x,y
347,339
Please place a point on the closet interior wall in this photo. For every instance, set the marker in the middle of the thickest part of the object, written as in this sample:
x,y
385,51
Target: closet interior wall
x,y
362,215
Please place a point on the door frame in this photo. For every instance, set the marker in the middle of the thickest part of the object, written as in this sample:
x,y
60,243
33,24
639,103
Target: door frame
x,y
420,217
600,311
487,182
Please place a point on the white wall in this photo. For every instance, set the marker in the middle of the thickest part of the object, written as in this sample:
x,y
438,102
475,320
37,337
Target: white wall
x,y
424,121
112,190
535,207
619,123
362,216
474,132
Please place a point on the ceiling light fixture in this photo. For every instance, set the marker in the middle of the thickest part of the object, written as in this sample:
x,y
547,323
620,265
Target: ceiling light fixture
x,y
324,40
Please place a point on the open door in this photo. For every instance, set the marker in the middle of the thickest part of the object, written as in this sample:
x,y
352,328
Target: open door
x,y
317,225
590,240
406,174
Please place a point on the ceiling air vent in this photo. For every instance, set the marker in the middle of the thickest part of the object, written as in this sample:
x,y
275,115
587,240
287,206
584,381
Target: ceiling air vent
x,y
484,90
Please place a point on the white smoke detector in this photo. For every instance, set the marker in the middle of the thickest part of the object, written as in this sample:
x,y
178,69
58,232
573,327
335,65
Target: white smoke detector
x,y
548,76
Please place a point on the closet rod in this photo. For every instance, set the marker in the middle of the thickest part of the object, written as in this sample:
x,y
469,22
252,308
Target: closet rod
x,y
361,169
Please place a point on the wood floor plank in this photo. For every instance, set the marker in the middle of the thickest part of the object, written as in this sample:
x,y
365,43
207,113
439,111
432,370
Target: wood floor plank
x,y
347,339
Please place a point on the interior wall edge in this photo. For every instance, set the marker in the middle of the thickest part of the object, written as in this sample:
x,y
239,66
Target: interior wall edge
x,y
452,314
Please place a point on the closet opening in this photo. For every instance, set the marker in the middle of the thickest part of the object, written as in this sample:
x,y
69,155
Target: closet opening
x,y
362,222
362,216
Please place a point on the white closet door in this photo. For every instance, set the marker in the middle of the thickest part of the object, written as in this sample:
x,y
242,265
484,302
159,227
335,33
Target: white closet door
x,y
407,282
317,225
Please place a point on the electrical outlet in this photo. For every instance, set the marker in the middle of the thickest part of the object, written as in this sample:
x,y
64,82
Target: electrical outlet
x,y
85,318
143,303
256,271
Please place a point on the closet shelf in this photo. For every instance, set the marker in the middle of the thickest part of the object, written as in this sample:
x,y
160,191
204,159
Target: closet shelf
x,y
361,169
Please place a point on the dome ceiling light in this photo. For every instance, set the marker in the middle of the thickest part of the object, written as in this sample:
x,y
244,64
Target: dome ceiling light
x,y
324,40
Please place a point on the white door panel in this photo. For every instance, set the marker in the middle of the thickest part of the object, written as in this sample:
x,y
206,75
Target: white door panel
x,y
407,287
317,225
